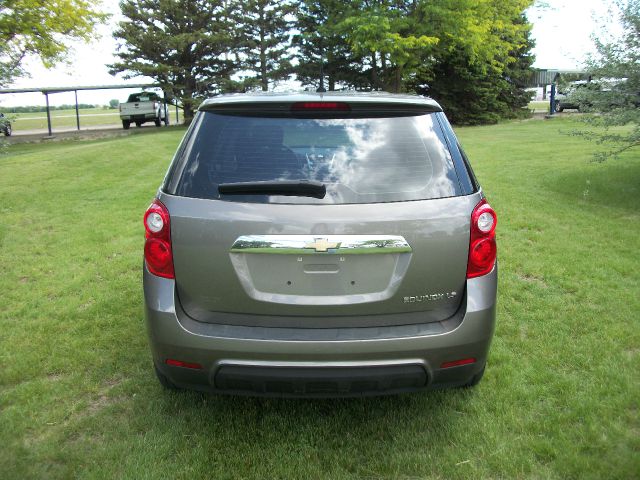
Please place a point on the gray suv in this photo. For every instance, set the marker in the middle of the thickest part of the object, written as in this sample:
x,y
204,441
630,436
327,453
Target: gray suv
x,y
319,245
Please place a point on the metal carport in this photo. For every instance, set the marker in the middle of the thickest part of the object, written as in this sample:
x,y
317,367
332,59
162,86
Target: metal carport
x,y
46,91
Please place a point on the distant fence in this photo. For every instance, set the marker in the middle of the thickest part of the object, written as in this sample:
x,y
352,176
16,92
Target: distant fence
x,y
46,91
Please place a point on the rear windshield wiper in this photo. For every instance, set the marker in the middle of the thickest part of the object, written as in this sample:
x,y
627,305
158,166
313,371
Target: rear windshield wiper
x,y
295,188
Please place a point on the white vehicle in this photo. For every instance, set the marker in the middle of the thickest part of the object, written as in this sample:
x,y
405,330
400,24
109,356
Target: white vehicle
x,y
143,107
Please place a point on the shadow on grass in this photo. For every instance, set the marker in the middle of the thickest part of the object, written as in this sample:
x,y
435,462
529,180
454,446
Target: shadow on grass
x,y
614,183
368,427
246,437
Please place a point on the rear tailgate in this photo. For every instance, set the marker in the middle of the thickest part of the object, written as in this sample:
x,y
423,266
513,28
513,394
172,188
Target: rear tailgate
x,y
137,108
305,268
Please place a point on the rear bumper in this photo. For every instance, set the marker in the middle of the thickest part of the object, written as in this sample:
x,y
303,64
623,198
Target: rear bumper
x,y
319,362
139,117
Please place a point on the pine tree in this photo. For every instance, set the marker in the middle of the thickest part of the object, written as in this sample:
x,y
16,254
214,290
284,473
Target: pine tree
x,y
320,45
614,99
264,39
184,45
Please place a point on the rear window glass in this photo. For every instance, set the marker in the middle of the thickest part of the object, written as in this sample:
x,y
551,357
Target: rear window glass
x,y
359,160
143,97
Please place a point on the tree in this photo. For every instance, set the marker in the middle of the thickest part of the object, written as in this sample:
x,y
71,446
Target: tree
x,y
389,35
114,102
367,44
479,86
614,98
40,28
474,55
318,42
265,31
184,45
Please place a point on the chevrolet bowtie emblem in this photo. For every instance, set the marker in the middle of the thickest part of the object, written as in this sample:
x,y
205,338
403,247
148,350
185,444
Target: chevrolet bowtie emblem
x,y
322,245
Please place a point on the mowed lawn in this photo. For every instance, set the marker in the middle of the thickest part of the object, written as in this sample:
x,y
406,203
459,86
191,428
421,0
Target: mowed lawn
x,y
539,105
64,119
560,398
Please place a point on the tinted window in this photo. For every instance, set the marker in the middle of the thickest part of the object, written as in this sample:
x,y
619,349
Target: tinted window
x,y
360,160
143,97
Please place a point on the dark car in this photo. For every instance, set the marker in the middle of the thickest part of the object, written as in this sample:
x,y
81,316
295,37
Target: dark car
x,y
5,125
320,245
582,95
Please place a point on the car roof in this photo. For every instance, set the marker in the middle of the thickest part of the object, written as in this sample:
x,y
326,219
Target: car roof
x,y
291,97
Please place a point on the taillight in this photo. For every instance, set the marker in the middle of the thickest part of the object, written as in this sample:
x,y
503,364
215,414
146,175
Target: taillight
x,y
157,246
482,242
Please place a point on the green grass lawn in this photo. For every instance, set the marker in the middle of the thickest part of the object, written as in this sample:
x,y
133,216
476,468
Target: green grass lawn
x,y
539,105
64,118
66,112
560,398
67,118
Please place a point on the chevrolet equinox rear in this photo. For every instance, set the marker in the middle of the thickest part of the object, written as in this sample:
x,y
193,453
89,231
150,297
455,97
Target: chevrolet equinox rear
x,y
319,245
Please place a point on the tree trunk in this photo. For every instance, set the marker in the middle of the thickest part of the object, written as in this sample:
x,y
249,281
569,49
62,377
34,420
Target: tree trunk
x,y
263,69
263,54
330,73
187,99
187,108
384,82
397,84
375,80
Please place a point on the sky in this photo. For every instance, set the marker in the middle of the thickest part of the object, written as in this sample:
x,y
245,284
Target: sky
x,y
562,32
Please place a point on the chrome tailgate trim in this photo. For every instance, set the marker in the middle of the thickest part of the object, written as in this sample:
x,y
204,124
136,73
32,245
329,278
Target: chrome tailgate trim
x,y
327,244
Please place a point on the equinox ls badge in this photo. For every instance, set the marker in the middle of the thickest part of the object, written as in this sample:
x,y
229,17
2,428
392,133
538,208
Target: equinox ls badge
x,y
430,297
322,245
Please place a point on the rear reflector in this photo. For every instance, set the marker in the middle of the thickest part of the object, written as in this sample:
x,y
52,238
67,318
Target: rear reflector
x,y
323,106
457,363
180,363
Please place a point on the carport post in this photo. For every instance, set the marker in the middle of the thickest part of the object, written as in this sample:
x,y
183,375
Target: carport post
x,y
77,114
166,112
552,101
46,98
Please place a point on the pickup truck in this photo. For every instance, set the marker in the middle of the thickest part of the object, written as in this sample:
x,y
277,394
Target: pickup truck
x,y
143,107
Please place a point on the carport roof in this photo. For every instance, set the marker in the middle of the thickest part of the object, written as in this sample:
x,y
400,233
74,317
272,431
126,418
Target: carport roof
x,y
76,88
